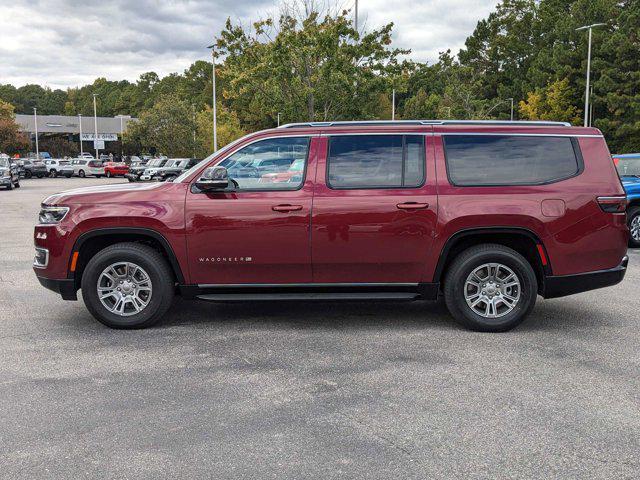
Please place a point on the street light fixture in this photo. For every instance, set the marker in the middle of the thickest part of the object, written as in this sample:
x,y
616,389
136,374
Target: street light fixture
x,y
215,119
586,92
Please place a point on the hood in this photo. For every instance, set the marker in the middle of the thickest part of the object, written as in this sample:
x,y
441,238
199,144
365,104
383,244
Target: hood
x,y
103,193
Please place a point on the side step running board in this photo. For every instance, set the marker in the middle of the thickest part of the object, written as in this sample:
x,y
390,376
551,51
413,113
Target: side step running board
x,y
264,297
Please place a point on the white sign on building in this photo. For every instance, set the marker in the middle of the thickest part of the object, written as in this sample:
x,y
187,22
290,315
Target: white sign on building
x,y
105,137
98,144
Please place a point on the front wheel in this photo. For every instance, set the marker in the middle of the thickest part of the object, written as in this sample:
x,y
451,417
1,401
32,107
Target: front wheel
x,y
633,219
81,174
108,174
28,174
490,288
53,173
127,285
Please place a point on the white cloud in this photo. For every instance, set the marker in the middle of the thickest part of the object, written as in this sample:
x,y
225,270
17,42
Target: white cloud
x,y
63,43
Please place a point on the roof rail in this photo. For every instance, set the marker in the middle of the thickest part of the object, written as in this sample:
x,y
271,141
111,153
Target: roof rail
x,y
425,122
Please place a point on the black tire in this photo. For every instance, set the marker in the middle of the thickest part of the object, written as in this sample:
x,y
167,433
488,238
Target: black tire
x,y
152,262
10,186
68,176
81,173
465,264
17,185
40,175
98,176
28,174
108,174
53,173
633,214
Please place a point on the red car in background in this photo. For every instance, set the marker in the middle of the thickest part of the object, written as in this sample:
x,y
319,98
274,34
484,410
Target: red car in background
x,y
113,169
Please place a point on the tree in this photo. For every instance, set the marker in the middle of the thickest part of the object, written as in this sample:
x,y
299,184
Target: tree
x,y
552,103
307,67
229,129
11,139
166,128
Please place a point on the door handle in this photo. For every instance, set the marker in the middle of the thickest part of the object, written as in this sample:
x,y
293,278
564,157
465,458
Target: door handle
x,y
286,208
412,206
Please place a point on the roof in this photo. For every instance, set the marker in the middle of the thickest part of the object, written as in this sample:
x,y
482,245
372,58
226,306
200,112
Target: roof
x,y
70,124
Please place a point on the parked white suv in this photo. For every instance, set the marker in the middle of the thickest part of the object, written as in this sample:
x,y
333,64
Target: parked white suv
x,y
59,167
83,167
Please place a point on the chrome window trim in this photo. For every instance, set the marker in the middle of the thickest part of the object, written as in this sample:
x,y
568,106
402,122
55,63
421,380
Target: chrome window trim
x,y
507,134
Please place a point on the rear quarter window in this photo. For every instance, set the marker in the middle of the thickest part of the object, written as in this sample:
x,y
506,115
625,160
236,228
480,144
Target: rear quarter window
x,y
495,160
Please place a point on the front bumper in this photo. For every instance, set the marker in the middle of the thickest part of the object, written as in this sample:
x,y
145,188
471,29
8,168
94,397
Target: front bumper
x,y
563,285
65,287
5,180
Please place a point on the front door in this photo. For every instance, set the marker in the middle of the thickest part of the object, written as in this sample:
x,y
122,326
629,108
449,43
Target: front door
x,y
260,233
374,211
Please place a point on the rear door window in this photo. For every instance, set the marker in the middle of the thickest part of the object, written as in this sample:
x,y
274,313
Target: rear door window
x,y
376,161
494,160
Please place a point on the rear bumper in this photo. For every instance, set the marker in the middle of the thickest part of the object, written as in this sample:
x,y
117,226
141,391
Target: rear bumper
x,y
65,287
563,285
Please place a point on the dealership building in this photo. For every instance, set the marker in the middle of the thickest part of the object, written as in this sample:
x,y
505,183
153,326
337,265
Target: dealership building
x,y
110,129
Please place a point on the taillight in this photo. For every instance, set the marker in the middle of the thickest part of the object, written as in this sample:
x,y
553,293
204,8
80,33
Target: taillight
x,y
617,204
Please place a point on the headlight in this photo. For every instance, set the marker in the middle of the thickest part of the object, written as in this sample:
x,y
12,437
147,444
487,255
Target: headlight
x,y
51,215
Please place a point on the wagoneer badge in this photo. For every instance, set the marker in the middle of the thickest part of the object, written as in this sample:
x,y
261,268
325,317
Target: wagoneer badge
x,y
225,259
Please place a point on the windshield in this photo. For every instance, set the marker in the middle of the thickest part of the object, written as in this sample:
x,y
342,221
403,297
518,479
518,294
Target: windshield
x,y
628,167
156,162
170,163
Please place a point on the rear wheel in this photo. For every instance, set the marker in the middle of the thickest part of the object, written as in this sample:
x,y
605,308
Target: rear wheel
x,y
40,175
81,174
128,285
490,288
633,219
108,174
28,174
53,173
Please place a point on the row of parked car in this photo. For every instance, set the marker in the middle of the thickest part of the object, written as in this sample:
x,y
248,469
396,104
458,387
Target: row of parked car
x,y
139,169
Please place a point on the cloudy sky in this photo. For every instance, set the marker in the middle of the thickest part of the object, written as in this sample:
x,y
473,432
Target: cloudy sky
x,y
65,43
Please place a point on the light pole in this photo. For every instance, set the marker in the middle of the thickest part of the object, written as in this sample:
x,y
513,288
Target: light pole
x,y
35,121
80,126
511,107
356,16
278,118
393,104
95,122
586,91
193,111
122,117
215,119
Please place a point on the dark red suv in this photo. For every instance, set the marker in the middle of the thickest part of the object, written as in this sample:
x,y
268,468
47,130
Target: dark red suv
x,y
487,214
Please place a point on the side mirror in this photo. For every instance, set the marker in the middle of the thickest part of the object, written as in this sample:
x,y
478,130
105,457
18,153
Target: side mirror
x,y
213,179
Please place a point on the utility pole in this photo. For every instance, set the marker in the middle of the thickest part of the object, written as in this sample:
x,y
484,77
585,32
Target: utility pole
x,y
587,87
80,126
215,117
35,121
95,122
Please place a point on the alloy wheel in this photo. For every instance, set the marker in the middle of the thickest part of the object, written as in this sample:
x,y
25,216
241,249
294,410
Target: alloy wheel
x,y
124,288
492,290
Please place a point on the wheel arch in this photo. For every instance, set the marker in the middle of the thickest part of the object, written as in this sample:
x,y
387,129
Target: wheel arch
x,y
103,237
522,240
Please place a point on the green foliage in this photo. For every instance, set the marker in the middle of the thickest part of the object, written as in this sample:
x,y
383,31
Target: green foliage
x,y
166,128
11,139
229,129
551,103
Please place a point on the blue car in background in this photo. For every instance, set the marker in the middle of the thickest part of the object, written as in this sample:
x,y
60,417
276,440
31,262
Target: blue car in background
x,y
629,169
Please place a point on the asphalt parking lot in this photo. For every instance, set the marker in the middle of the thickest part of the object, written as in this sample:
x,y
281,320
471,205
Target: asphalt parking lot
x,y
310,391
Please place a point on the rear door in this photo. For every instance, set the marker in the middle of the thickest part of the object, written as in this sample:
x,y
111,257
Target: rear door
x,y
375,205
